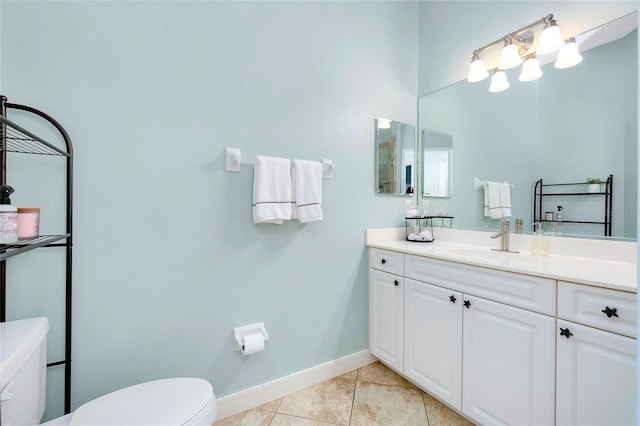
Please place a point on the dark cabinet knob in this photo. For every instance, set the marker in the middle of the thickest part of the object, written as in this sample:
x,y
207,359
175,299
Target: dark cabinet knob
x,y
467,304
396,283
610,312
383,261
452,298
565,332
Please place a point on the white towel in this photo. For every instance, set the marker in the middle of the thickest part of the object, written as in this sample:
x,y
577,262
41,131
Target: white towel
x,y
307,190
271,190
497,200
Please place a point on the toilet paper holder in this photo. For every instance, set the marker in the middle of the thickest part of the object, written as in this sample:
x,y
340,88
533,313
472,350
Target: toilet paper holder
x,y
240,332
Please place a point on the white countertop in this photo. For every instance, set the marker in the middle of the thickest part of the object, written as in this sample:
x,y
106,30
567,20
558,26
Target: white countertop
x,y
609,264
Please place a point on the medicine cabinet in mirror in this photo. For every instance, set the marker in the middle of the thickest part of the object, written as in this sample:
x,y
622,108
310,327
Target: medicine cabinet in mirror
x,y
437,151
395,157
568,125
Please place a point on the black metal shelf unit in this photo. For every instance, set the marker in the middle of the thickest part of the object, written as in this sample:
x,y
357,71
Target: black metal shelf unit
x,y
16,139
575,189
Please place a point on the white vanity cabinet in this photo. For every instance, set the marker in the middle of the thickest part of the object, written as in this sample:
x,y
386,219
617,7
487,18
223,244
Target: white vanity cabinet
x,y
503,355
433,340
508,364
504,347
596,361
386,301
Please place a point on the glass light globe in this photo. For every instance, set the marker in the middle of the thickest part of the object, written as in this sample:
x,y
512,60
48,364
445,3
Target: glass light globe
x,y
510,57
569,55
499,81
550,39
477,71
530,70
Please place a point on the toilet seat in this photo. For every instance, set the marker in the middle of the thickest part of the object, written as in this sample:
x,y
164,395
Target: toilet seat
x,y
176,402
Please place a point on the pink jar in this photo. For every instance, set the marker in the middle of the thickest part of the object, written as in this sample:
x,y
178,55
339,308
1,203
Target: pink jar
x,y
28,222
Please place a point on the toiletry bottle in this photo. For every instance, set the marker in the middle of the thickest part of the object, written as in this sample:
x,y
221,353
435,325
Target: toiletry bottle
x,y
559,214
540,242
8,216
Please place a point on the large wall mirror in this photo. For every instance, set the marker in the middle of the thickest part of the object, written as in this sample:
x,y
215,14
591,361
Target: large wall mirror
x,y
568,125
395,157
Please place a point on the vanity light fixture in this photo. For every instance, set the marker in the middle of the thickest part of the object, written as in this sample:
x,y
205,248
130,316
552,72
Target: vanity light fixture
x,y
518,44
499,81
569,55
530,69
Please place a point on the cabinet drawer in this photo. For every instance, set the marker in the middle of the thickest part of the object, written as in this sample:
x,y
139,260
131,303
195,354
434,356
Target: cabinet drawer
x,y
610,310
524,291
388,261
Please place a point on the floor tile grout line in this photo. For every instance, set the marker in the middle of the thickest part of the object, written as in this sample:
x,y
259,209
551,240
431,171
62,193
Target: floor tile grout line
x,y
304,418
353,400
426,412
393,386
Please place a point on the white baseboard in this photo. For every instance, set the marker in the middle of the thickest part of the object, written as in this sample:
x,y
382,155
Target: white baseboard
x,y
261,394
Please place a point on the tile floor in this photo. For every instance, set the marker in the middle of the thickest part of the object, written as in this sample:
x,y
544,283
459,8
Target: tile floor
x,y
371,395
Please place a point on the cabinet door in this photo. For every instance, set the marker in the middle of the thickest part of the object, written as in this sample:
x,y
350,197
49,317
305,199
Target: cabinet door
x,y
596,377
508,364
433,340
386,318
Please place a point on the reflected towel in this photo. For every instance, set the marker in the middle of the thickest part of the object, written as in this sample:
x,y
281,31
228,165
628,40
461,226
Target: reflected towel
x,y
307,190
497,200
271,190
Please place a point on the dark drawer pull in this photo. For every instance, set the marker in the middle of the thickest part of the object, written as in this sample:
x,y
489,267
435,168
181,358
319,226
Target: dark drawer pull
x,y
383,261
396,283
452,298
565,332
467,304
610,312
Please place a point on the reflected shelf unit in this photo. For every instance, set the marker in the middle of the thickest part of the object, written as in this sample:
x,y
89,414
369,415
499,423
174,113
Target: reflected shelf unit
x,y
573,190
16,139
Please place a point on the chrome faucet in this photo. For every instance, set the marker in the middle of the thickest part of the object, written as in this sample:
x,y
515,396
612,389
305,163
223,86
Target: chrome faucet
x,y
520,225
504,238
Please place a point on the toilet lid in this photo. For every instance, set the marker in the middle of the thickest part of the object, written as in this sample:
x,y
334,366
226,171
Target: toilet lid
x,y
161,402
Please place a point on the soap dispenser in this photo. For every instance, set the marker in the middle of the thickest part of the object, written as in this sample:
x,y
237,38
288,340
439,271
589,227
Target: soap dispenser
x,y
540,242
8,216
559,214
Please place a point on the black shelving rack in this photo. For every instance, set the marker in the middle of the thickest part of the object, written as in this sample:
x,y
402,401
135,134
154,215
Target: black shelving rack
x,y
574,189
16,139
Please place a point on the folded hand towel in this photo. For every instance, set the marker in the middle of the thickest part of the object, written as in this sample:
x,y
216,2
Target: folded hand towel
x,y
505,199
497,198
271,190
307,187
486,199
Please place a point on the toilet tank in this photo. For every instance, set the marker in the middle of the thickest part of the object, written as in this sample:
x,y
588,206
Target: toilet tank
x,y
23,364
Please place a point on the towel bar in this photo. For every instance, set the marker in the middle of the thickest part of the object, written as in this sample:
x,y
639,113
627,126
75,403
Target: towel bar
x,y
477,183
235,159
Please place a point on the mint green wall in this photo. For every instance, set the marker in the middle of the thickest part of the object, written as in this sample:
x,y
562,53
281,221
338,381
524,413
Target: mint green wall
x,y
167,260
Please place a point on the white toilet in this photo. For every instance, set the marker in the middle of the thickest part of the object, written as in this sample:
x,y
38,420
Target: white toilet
x,y
23,355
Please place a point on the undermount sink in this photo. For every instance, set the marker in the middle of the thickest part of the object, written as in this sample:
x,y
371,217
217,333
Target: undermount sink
x,y
478,252
485,254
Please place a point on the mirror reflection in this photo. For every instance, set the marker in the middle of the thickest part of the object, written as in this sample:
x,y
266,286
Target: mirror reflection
x,y
569,125
395,152
437,152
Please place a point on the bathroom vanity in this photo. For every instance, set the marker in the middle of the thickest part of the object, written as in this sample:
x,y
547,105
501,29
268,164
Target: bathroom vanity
x,y
509,338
